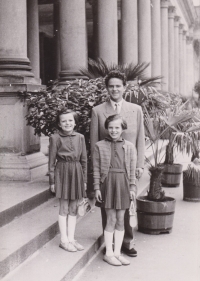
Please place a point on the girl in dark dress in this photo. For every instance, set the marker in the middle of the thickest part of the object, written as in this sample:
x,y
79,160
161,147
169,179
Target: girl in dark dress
x,y
114,164
68,175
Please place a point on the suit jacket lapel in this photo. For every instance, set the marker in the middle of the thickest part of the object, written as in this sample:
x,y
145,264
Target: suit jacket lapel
x,y
125,109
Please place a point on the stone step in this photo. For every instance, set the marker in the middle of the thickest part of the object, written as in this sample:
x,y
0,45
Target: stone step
x,y
26,234
53,263
18,198
50,262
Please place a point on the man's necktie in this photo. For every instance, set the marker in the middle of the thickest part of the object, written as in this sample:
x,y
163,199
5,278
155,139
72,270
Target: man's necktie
x,y
117,109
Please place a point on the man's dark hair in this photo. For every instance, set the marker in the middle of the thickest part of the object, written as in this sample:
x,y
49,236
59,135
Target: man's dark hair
x,y
116,117
115,74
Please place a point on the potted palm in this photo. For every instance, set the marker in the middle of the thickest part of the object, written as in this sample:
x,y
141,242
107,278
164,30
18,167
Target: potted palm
x,y
155,211
191,175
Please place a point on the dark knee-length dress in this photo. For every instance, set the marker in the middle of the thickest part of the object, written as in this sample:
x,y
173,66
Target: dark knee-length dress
x,y
68,165
115,189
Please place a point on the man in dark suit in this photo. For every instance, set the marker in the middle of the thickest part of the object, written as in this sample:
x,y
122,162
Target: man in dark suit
x,y
116,84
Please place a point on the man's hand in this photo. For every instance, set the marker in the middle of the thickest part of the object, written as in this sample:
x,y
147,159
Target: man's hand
x,y
139,172
98,195
52,188
85,185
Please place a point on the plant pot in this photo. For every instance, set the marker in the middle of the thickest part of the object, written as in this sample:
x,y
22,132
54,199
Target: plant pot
x,y
172,175
155,217
191,191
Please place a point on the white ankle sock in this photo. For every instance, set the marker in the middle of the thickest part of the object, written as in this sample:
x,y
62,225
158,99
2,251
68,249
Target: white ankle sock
x,y
71,227
62,222
108,237
118,237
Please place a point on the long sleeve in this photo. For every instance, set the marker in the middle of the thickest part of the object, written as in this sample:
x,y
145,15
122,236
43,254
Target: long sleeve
x,y
52,159
96,167
83,159
94,131
140,142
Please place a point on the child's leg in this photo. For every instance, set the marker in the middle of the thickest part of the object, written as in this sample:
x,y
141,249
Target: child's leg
x,y
119,231
109,230
108,237
72,224
62,220
119,235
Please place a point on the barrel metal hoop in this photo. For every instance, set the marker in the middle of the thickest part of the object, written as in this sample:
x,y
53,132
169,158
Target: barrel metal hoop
x,y
155,214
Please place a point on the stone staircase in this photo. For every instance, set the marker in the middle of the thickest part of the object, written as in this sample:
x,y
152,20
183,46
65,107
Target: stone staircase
x,y
28,230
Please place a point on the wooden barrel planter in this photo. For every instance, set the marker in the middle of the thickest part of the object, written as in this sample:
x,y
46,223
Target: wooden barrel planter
x,y
155,217
172,175
191,191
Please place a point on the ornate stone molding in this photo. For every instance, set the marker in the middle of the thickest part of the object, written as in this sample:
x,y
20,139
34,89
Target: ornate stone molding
x,y
171,12
164,3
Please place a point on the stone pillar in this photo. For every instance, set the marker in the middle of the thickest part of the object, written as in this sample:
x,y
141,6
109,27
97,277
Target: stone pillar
x,y
181,83
33,36
171,47
191,31
176,54
56,17
20,156
108,31
73,44
184,64
189,71
164,45
155,39
129,32
144,33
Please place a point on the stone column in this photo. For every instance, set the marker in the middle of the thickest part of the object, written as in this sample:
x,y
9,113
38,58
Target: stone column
x,y
188,66
56,17
155,39
176,54
184,64
144,33
108,31
20,158
191,32
171,11
181,83
73,44
33,36
164,45
129,31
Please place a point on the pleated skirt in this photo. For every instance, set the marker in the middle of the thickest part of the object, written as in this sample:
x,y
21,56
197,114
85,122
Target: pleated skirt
x,y
69,180
115,191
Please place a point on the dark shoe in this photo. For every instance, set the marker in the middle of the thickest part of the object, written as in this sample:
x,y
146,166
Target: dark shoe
x,y
129,252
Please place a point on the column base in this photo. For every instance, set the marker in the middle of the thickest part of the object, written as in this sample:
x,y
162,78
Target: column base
x,y
14,167
65,76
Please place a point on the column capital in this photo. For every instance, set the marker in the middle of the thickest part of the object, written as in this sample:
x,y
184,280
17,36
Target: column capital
x,y
171,12
164,3
184,33
189,39
176,21
181,25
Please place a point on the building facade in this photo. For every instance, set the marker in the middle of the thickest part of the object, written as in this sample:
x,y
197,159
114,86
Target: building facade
x,y
42,40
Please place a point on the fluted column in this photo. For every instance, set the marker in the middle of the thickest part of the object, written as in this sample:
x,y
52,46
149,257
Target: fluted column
x,y
13,39
144,33
129,31
164,45
20,156
155,39
33,36
181,82
108,30
184,64
171,47
189,71
56,17
176,54
72,39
